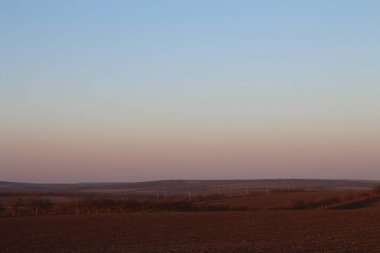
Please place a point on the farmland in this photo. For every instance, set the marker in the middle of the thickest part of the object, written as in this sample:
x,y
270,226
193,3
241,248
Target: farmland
x,y
260,231
318,220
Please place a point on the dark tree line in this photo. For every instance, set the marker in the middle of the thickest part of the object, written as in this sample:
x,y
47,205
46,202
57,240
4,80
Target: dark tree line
x,y
31,205
95,205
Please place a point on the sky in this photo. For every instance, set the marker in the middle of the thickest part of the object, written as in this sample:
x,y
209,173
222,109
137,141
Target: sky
x,y
148,90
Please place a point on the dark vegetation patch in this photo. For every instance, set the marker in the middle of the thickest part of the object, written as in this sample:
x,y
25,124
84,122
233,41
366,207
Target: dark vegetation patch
x,y
369,202
95,205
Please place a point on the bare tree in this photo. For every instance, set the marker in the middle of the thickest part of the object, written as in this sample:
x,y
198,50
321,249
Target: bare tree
x,y
13,205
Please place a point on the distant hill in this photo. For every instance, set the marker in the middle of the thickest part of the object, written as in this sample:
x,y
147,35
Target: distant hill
x,y
194,186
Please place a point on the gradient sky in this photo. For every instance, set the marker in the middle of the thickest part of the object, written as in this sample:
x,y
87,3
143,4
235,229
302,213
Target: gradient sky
x,y
143,90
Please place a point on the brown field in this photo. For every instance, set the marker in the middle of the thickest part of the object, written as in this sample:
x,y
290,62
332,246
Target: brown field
x,y
349,230
284,221
286,200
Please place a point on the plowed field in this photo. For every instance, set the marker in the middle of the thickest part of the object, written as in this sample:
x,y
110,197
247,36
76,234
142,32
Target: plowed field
x,y
354,230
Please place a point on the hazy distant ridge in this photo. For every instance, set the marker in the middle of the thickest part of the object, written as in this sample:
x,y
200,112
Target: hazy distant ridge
x,y
178,186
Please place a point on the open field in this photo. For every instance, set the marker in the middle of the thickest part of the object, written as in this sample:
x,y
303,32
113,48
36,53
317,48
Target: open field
x,y
287,200
50,204
260,231
278,221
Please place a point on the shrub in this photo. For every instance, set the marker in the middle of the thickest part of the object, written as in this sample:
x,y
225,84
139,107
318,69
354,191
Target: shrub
x,y
37,204
299,205
318,203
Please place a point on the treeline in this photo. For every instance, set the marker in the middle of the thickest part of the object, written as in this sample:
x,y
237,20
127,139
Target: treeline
x,y
94,205
25,206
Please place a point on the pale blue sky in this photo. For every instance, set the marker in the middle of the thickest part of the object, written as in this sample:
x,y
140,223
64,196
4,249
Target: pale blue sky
x,y
173,72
